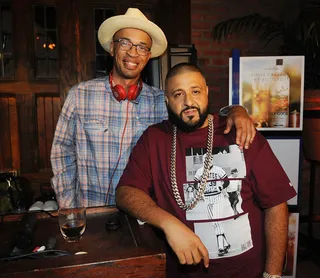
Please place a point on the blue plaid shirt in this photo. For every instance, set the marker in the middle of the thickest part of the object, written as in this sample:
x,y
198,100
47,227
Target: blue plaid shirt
x,y
94,137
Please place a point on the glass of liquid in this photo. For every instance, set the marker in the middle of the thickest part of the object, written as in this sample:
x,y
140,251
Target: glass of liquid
x,y
72,222
260,102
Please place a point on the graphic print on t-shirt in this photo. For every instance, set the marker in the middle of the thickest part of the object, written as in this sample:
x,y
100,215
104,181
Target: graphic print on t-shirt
x,y
221,201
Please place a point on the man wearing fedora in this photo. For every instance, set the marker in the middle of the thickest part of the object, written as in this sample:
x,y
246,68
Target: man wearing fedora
x,y
102,119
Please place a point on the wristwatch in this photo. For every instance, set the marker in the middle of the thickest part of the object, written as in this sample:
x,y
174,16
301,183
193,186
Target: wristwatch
x,y
267,275
224,111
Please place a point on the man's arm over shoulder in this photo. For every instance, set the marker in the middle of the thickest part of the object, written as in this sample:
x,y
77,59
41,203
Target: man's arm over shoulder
x,y
63,154
238,116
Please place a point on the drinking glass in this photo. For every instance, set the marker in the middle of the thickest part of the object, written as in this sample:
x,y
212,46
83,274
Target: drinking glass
x,y
72,222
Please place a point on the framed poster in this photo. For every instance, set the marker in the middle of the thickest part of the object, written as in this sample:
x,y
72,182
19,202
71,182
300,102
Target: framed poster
x,y
287,150
290,263
271,88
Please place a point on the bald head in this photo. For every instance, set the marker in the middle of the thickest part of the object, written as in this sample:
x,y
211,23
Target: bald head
x,y
181,69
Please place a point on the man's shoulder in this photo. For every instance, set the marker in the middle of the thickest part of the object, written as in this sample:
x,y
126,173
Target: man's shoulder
x,y
152,88
89,85
93,89
151,91
92,83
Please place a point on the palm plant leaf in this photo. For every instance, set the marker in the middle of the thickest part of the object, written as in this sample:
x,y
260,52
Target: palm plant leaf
x,y
266,27
300,37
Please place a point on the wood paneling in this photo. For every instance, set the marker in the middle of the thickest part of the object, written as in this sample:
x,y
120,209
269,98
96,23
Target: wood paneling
x,y
5,141
56,109
68,65
87,56
48,109
27,123
22,38
22,87
41,131
50,125
9,137
14,133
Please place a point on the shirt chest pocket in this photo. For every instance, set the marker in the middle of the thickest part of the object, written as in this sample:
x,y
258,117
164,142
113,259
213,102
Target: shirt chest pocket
x,y
95,125
95,140
97,132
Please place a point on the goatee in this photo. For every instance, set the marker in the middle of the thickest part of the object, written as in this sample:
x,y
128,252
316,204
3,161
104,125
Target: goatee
x,y
183,126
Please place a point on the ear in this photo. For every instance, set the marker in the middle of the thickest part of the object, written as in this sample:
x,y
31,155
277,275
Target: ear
x,y
207,89
112,49
149,56
166,100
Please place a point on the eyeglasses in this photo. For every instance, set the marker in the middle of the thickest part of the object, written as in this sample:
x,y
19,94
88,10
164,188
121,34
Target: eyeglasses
x,y
126,45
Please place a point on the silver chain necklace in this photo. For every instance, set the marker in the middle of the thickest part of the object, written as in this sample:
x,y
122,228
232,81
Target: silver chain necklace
x,y
204,177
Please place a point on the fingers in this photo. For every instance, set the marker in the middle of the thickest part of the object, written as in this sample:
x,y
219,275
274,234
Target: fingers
x,y
253,133
229,124
194,256
245,130
186,244
187,258
181,257
205,255
242,137
245,133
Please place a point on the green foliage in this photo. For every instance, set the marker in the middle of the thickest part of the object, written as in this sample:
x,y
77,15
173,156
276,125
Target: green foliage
x,y
299,37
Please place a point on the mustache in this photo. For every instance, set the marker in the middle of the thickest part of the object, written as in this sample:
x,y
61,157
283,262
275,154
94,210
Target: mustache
x,y
177,118
189,108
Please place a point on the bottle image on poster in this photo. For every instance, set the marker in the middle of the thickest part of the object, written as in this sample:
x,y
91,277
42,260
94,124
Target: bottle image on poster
x,y
260,98
279,97
271,88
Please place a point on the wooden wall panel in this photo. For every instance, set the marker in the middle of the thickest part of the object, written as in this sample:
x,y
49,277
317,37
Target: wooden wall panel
x,y
87,57
68,65
9,136
41,131
56,110
14,133
48,110
28,139
49,128
5,142
22,38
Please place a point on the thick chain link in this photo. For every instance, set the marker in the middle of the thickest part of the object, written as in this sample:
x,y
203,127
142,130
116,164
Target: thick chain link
x,y
204,177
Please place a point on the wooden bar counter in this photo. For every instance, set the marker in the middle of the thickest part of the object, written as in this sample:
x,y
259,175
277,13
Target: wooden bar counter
x,y
130,250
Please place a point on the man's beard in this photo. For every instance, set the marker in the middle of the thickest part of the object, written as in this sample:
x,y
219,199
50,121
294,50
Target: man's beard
x,y
187,127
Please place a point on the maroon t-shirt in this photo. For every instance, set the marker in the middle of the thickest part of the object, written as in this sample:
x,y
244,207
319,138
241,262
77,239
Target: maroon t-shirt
x,y
229,218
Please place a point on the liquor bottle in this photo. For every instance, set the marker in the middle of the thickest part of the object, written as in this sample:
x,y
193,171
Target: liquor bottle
x,y
279,97
260,99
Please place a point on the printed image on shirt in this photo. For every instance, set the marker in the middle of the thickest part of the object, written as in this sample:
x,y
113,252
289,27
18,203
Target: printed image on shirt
x,y
221,196
220,237
227,157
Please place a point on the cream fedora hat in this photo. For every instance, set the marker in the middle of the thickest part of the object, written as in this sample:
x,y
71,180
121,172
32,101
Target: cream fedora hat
x,y
133,18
